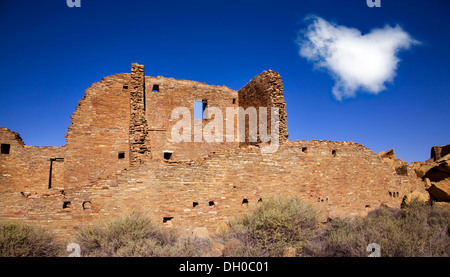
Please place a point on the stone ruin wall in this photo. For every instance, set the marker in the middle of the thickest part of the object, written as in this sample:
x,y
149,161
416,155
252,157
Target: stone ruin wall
x,y
139,140
202,185
99,132
338,178
122,114
181,93
26,168
265,90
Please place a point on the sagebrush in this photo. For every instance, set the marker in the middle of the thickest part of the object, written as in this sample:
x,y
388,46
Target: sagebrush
x,y
136,235
275,227
23,240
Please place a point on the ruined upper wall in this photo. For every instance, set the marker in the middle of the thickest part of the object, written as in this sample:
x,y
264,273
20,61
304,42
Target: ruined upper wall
x,y
266,90
98,138
126,119
163,95
26,168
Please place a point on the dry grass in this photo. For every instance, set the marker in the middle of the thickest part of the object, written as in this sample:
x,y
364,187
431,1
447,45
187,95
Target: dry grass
x,y
271,227
135,235
419,230
22,240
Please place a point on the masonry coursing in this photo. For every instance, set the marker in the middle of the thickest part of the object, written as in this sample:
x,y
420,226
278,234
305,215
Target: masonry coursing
x,y
115,162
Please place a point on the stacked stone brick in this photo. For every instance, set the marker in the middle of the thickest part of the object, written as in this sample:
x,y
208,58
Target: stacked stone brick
x,y
266,90
115,162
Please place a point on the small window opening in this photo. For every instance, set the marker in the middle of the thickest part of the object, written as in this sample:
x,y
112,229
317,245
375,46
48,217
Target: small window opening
x,y
66,204
6,148
260,200
394,194
304,149
167,218
367,206
125,86
194,204
333,152
121,155
234,100
211,203
155,88
167,155
244,201
199,108
86,205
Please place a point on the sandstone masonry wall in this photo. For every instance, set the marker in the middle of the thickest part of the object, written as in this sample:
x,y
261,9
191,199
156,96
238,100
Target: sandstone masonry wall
x,y
338,178
120,157
99,132
171,94
139,140
26,169
266,90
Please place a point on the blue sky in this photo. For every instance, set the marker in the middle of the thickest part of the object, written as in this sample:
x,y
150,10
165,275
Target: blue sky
x,y
50,54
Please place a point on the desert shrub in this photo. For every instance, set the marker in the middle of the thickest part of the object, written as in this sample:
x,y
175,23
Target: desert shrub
x,y
135,235
270,227
416,230
189,246
22,240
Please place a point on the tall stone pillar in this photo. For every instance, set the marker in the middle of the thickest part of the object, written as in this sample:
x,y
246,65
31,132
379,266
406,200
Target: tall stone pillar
x,y
139,148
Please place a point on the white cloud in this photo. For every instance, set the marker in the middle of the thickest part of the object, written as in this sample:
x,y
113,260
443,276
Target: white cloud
x,y
354,60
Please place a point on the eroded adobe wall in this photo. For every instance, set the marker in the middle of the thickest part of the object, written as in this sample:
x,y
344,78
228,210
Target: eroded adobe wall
x,y
99,132
163,95
266,90
26,169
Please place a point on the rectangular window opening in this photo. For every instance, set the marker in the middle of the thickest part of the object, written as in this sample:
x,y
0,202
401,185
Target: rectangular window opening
x,y
334,153
125,86
234,100
199,108
304,149
121,155
155,88
167,218
6,148
167,155
66,204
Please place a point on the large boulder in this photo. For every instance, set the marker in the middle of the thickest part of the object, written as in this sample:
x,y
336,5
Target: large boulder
x,y
421,168
440,169
436,173
437,152
415,196
440,190
400,166
390,154
435,170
